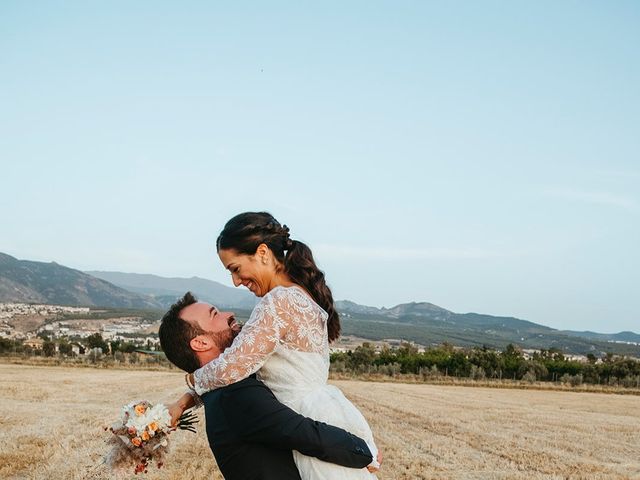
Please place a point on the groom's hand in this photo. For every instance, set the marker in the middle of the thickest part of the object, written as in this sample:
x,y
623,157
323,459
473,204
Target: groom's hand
x,y
379,459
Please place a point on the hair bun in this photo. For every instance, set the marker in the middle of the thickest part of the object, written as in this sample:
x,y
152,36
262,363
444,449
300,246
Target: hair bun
x,y
271,226
287,244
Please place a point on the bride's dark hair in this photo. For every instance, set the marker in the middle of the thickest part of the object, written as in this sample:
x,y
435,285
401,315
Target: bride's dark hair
x,y
246,231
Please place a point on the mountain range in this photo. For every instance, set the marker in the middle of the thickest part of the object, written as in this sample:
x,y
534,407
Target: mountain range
x,y
166,290
429,324
39,282
422,322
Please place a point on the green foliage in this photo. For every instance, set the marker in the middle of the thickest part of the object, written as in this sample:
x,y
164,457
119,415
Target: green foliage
x,y
482,362
362,355
8,346
120,346
48,348
96,341
64,348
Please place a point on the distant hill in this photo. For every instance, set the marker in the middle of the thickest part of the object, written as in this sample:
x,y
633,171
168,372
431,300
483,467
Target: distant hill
x,y
419,309
404,309
614,337
347,306
430,324
421,322
39,282
167,290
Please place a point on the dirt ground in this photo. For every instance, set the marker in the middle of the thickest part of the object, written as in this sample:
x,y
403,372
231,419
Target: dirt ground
x,y
51,421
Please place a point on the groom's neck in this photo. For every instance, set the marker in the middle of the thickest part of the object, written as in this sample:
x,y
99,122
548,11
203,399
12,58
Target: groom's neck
x,y
206,357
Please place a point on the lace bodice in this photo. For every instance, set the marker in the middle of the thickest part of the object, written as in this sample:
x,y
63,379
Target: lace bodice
x,y
286,324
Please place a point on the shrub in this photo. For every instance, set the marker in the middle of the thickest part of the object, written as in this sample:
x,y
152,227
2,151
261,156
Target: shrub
x,y
477,373
95,354
339,366
391,369
631,381
530,376
576,380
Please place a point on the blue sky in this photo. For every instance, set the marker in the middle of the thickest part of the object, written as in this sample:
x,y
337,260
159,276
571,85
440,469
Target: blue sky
x,y
482,156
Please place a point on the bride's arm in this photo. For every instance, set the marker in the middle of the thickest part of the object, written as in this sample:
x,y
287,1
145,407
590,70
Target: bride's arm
x,y
256,341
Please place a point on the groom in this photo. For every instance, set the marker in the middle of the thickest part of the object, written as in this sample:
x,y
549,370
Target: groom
x,y
251,434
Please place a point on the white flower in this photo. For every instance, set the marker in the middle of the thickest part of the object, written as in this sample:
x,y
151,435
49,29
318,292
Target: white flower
x,y
160,414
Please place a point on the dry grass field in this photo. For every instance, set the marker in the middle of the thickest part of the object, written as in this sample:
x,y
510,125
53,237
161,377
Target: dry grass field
x,y
51,422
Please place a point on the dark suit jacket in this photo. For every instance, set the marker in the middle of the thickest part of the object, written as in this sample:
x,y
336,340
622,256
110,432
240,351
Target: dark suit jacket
x,y
252,434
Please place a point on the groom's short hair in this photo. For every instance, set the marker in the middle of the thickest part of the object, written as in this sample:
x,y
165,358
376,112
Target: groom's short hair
x,y
176,334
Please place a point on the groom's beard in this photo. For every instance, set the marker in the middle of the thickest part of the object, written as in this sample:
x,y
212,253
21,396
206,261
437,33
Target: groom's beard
x,y
224,338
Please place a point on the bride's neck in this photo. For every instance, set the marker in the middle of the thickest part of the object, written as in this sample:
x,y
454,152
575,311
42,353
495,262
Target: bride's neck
x,y
280,279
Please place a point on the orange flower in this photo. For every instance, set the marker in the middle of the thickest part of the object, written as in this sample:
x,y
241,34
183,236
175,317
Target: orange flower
x,y
132,431
136,441
153,426
140,409
145,436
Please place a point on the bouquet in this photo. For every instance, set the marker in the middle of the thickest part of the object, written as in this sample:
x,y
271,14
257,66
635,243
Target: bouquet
x,y
141,436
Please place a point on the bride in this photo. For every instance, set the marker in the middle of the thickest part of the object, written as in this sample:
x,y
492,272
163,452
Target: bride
x,y
286,340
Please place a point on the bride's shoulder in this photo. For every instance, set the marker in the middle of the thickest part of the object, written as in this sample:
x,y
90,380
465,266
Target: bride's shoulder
x,y
275,296
289,301
286,294
277,302
279,293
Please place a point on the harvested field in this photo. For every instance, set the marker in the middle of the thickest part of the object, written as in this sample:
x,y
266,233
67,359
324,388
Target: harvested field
x,y
51,422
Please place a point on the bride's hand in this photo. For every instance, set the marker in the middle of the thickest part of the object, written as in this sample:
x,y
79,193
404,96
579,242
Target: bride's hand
x,y
176,409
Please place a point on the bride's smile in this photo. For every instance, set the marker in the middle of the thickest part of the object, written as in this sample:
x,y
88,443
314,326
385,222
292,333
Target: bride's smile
x,y
259,272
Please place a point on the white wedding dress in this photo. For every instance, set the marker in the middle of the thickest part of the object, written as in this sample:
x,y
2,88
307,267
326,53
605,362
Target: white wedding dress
x,y
285,341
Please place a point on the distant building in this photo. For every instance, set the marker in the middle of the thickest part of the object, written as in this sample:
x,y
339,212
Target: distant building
x,y
35,343
577,358
338,349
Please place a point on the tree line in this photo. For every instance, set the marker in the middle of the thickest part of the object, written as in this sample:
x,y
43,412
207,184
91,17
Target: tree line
x,y
64,347
482,363
478,363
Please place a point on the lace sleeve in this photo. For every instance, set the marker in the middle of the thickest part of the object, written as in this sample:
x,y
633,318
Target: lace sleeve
x,y
258,339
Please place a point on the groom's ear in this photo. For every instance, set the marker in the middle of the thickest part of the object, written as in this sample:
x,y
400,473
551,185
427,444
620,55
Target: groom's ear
x,y
201,343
